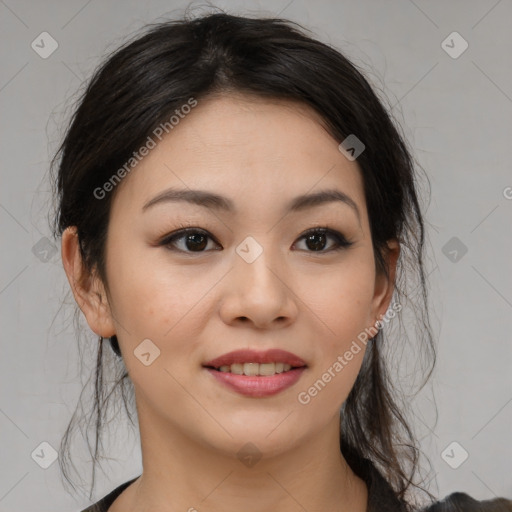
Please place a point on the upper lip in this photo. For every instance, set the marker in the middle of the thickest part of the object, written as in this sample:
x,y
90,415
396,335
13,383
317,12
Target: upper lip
x,y
273,355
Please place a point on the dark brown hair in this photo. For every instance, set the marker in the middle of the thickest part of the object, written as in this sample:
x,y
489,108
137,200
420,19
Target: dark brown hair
x,y
143,82
461,502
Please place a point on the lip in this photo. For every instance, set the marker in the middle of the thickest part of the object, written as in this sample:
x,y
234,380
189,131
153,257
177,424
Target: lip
x,y
258,386
273,355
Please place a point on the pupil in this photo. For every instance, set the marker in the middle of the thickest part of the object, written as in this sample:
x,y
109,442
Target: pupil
x,y
190,239
316,246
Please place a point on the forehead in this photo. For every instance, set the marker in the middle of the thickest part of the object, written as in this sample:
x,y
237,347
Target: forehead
x,y
247,148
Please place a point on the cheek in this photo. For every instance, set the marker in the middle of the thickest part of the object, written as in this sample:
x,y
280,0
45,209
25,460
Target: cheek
x,y
158,302
343,304
345,314
342,297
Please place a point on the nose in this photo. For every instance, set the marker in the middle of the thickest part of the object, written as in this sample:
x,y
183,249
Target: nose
x,y
258,293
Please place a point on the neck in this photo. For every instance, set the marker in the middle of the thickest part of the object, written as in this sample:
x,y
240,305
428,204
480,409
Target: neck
x,y
180,474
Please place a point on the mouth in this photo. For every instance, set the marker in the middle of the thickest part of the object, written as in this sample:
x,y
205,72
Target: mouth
x,y
255,373
255,362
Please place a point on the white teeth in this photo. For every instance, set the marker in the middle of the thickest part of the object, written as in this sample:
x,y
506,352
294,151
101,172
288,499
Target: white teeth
x,y
252,369
237,368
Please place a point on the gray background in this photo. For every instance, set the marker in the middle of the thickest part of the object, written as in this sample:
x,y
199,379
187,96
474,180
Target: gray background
x,y
456,115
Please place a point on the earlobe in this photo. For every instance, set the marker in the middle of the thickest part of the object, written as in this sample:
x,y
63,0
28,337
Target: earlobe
x,y
87,289
385,285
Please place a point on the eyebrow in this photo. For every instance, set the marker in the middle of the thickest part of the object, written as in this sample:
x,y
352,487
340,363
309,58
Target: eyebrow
x,y
211,200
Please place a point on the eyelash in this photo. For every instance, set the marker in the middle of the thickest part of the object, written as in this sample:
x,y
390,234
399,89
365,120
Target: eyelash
x,y
341,241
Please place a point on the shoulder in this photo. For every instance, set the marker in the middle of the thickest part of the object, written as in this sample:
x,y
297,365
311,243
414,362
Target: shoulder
x,y
462,502
104,504
382,498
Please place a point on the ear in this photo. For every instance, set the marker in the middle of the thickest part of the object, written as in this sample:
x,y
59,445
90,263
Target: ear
x,y
385,285
88,289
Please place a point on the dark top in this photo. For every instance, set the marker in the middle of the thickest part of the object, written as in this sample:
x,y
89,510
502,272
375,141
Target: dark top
x,y
381,497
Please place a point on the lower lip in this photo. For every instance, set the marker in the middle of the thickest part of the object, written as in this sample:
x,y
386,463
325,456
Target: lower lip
x,y
257,386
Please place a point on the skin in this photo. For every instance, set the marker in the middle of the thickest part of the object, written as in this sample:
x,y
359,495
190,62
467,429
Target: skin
x,y
197,305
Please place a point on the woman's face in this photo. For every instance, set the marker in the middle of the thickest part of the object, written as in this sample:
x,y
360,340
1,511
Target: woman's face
x,y
247,278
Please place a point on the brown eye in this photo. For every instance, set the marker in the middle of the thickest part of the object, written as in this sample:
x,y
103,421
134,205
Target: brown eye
x,y
194,240
316,240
